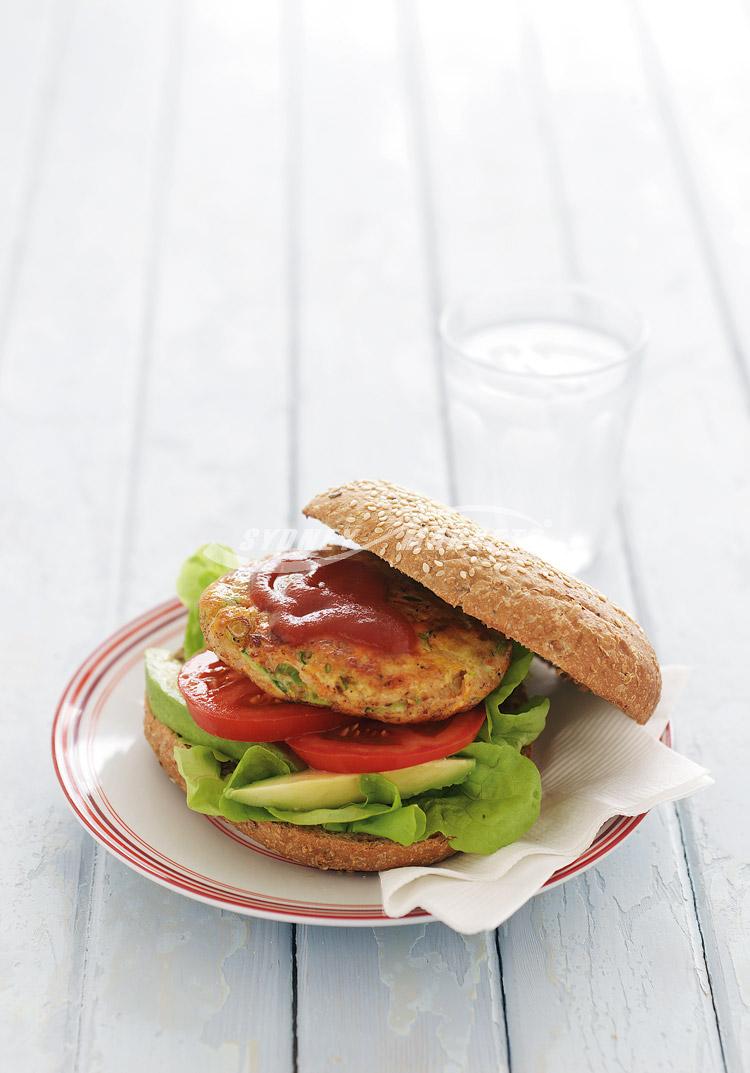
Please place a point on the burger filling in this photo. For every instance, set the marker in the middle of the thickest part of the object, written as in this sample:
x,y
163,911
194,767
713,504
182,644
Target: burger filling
x,y
331,690
348,632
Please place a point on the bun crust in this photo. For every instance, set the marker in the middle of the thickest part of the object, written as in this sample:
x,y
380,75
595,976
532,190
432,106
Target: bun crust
x,y
558,617
312,846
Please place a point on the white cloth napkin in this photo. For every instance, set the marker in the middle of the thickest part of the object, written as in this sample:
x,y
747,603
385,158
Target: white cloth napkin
x,y
596,763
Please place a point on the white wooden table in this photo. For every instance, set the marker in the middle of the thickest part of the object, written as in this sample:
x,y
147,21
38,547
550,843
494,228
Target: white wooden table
x,y
226,229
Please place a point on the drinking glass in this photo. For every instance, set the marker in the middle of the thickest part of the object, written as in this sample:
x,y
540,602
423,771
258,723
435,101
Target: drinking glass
x,y
540,387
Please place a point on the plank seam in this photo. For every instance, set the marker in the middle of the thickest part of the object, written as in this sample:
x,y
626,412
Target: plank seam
x,y
47,99
290,60
416,107
540,93
644,616
640,600
162,172
699,923
84,916
295,1003
166,131
291,45
503,1001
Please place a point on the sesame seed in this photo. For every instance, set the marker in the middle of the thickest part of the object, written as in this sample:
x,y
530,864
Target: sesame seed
x,y
425,568
398,557
463,574
366,515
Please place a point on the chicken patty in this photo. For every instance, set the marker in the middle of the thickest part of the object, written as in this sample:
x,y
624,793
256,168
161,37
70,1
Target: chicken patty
x,y
456,663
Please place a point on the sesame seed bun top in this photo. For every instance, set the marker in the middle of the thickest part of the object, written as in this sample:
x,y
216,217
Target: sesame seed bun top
x,y
558,617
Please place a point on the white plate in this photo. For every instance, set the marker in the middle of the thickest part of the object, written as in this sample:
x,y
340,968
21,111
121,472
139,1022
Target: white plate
x,y
120,794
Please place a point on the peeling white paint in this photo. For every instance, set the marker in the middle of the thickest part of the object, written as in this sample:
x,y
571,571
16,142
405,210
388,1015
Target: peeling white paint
x,y
184,984
424,975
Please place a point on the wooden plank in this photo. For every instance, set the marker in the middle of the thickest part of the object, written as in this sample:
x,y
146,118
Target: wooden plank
x,y
613,927
369,405
208,461
602,956
67,375
705,117
406,998
627,195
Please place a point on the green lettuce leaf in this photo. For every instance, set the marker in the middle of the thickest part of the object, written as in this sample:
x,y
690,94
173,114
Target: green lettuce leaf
x,y
206,785
521,727
209,562
500,799
202,774
520,662
263,762
405,825
493,807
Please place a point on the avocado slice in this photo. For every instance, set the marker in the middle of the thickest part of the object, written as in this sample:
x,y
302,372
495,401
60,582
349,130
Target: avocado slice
x,y
311,789
167,704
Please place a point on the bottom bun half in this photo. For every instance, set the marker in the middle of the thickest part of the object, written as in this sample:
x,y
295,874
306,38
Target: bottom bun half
x,y
311,846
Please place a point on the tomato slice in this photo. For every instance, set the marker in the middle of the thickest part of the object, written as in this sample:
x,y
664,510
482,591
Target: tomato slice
x,y
228,704
367,745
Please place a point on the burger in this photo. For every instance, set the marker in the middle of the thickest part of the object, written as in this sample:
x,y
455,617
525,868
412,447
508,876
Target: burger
x,y
364,708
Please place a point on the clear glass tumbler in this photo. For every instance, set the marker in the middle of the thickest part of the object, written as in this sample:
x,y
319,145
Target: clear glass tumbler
x,y
540,388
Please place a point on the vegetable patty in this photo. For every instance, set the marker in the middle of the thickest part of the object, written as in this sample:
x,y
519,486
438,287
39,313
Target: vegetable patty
x,y
457,661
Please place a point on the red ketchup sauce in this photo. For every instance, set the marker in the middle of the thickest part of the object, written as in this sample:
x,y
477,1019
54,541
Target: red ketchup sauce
x,y
316,597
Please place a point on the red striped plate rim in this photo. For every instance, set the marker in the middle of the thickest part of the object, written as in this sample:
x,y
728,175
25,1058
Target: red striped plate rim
x,y
78,711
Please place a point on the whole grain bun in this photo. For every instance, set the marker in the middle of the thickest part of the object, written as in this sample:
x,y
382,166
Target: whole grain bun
x,y
558,617
312,846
